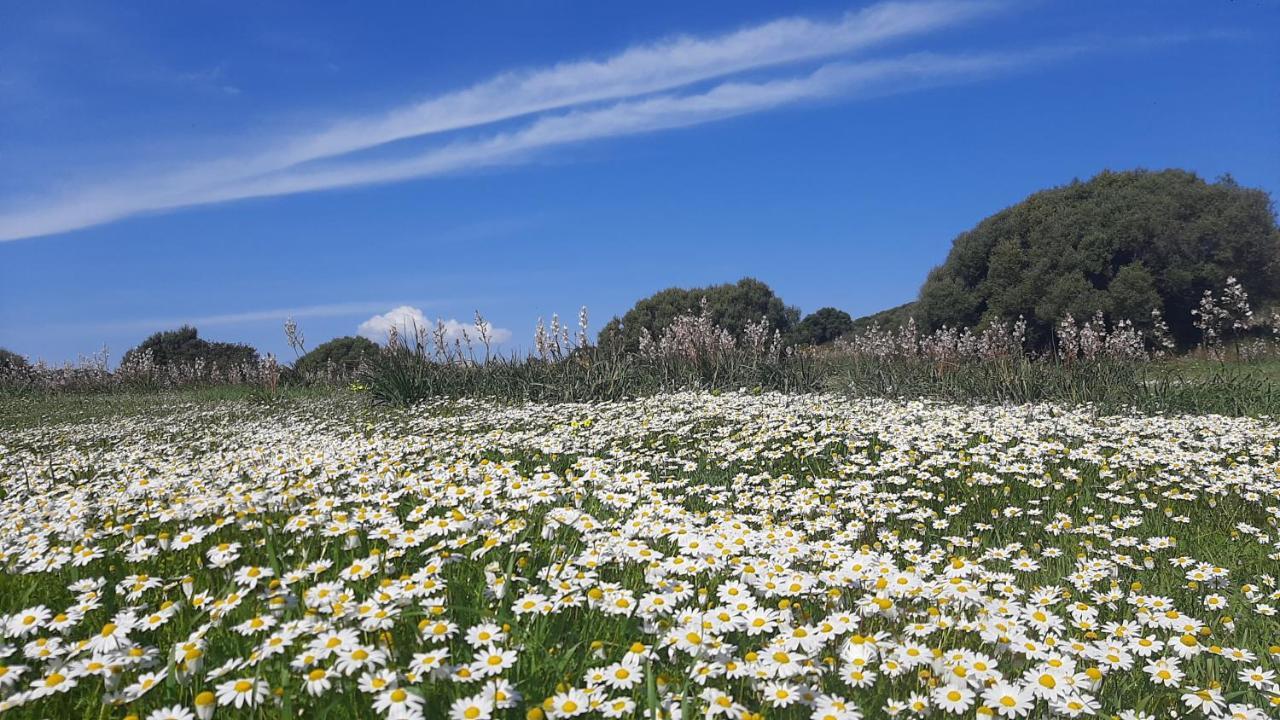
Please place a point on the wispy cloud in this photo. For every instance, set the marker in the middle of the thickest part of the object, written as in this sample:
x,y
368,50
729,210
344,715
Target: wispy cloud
x,y
632,117
628,80
243,318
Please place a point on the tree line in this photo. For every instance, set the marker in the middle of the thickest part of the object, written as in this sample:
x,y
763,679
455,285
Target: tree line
x,y
1139,248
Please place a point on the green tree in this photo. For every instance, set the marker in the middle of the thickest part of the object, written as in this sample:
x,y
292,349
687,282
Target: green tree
x,y
12,362
732,306
1133,294
344,354
184,346
1124,243
821,327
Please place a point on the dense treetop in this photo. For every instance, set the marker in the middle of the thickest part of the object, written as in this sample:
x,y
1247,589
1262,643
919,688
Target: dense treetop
x,y
343,354
732,306
11,361
184,347
1123,243
821,327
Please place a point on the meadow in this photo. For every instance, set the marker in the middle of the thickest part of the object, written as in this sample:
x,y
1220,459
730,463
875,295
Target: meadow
x,y
685,554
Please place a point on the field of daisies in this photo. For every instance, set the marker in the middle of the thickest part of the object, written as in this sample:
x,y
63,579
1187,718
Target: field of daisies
x,y
687,555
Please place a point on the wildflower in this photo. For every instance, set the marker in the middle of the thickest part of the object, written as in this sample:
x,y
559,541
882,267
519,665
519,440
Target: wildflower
x,y
318,682
205,703
502,694
1208,701
623,675
1165,672
567,704
1258,678
358,658
243,692
617,707
1008,700
398,703
25,622
53,683
484,634
173,712
953,699
479,707
493,661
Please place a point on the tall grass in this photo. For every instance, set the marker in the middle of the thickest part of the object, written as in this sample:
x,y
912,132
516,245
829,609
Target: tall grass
x,y
403,376
1107,367
1114,366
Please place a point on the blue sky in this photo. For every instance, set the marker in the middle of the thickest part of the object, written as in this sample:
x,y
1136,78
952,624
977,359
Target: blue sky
x,y
229,164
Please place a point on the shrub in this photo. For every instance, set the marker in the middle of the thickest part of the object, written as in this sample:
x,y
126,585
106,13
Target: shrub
x,y
12,363
733,307
183,348
821,327
1123,243
336,359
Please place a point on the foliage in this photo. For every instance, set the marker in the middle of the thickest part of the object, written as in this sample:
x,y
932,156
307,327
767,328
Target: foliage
x,y
1122,243
821,327
184,347
137,372
1100,365
339,357
733,306
12,362
894,317
405,376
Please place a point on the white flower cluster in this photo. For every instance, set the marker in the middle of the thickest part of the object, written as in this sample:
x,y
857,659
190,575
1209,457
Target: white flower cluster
x,y
687,554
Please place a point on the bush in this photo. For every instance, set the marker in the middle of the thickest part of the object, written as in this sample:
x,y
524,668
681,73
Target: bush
x,y
336,359
821,327
184,348
12,363
733,306
1123,243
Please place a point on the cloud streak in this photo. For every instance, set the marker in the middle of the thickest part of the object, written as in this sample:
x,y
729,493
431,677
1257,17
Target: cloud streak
x,y
633,117
639,82
242,318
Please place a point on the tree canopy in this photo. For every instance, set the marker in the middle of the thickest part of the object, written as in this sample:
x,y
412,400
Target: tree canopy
x,y
1123,243
344,353
12,362
732,306
821,327
184,347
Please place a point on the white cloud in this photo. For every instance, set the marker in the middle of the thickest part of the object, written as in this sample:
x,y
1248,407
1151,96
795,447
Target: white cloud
x,y
407,320
638,116
658,67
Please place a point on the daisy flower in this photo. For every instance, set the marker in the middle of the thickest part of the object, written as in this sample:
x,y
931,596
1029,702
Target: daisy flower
x,y
242,692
